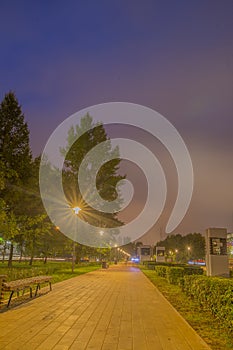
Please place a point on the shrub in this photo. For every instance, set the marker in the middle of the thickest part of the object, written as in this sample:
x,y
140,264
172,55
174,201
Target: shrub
x,y
193,270
161,271
213,293
150,266
174,274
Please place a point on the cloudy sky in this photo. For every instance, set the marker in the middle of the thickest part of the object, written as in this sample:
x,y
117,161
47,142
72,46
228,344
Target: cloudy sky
x,y
175,57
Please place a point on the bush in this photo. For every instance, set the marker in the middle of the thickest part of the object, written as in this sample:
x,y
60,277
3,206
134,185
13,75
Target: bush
x,y
174,274
213,293
150,266
155,263
161,271
193,270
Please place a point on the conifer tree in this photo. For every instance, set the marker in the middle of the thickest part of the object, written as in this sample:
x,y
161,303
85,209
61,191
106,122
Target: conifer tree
x,y
107,177
14,138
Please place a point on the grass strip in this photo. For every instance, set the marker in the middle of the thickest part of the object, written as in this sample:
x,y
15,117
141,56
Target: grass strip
x,y
203,322
60,271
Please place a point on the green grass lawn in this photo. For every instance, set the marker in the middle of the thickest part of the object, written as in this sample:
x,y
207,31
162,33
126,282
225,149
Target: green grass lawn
x,y
60,271
204,323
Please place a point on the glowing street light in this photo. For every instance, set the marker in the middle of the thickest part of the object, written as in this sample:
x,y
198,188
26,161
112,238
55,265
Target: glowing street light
x,y
189,251
76,211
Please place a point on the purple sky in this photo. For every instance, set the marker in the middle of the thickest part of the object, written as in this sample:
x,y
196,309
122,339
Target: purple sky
x,y
173,56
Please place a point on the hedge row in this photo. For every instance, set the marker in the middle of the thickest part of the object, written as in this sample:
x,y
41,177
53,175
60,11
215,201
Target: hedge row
x,y
174,275
214,294
156,263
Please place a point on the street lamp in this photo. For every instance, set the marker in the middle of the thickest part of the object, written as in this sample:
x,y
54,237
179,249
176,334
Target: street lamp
x,y
189,249
115,254
176,258
76,211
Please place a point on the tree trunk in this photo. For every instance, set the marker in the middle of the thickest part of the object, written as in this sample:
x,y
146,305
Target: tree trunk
x,y
21,253
78,253
73,256
31,260
32,253
11,255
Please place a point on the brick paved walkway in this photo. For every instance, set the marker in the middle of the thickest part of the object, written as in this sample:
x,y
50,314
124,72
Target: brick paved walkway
x,y
118,308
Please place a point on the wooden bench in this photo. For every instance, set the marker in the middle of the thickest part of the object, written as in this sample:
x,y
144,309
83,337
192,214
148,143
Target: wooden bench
x,y
21,285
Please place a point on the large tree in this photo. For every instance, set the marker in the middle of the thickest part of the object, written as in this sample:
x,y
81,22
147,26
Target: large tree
x,y
14,137
107,177
19,178
15,154
183,248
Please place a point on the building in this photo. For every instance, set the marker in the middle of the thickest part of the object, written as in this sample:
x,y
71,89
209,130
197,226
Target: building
x,y
145,252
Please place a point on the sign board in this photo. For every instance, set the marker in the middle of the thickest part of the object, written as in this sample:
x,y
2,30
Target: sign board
x,y
216,252
160,254
145,252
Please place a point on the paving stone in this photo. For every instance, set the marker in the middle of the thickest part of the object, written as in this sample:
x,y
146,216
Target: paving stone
x,y
113,309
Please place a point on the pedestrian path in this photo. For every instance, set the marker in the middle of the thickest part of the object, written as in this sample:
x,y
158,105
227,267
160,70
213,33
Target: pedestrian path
x,y
113,309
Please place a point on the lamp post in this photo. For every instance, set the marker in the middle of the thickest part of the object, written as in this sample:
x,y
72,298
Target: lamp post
x,y
76,212
115,254
189,250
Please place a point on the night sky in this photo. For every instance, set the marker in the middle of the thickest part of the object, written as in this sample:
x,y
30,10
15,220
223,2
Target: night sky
x,y
175,57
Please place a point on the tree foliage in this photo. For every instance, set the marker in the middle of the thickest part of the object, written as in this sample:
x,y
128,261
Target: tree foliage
x,y
23,220
15,153
107,177
183,248
14,138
